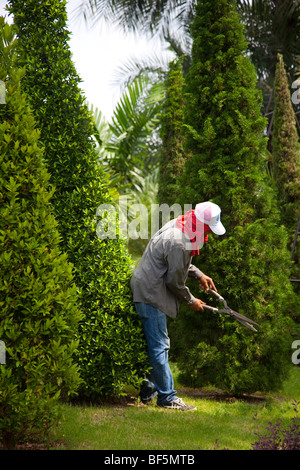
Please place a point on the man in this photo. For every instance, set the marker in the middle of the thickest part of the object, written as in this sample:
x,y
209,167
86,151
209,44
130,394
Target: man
x,y
158,286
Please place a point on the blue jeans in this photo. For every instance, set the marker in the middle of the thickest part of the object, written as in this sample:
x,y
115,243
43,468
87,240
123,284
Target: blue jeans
x,y
160,382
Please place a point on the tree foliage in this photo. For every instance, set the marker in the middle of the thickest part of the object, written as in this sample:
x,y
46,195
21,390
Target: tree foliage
x,y
39,314
111,349
131,144
286,160
129,152
272,27
286,151
172,152
249,265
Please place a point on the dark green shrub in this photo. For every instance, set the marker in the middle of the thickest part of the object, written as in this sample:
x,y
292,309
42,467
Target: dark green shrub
x,y
38,312
286,151
250,264
111,349
286,159
172,151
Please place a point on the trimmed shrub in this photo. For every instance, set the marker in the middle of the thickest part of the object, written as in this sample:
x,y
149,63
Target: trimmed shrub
x,y
286,159
250,264
172,152
38,298
112,350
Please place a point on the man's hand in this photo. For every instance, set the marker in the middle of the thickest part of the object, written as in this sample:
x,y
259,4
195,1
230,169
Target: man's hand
x,y
197,305
206,283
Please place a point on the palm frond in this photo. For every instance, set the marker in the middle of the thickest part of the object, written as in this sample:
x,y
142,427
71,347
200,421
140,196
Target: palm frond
x,y
127,141
135,15
130,113
153,64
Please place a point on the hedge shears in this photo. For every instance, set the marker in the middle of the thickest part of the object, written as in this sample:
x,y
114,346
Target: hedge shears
x,y
247,322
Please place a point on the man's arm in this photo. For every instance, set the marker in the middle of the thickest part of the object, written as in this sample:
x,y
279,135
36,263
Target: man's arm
x,y
194,272
176,276
204,281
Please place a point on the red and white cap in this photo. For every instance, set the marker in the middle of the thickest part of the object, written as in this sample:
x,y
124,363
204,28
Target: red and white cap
x,y
209,213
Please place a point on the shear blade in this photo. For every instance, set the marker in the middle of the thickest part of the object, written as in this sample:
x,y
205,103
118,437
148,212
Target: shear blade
x,y
247,325
247,322
240,317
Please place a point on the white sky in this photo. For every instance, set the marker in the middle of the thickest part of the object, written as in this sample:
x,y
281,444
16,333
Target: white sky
x,y
96,53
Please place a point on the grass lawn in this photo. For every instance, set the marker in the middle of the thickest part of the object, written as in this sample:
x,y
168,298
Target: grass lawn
x,y
219,422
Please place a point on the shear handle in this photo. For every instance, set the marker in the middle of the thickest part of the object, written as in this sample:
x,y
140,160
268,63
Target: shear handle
x,y
215,294
208,307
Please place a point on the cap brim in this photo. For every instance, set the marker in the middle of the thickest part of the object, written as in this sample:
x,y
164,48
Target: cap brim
x,y
218,229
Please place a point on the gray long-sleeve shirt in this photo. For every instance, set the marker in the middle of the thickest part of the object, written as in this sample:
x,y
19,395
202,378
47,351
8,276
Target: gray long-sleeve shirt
x,y
159,279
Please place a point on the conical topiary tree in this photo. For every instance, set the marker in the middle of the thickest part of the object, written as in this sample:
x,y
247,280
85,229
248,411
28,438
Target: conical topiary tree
x,y
111,344
249,265
38,312
286,158
172,151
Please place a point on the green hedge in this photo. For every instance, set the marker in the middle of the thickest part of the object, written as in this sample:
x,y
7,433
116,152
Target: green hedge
x,y
38,298
112,350
250,263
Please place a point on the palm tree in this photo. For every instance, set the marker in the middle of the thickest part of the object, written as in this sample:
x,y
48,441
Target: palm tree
x,y
129,143
167,20
272,26
145,15
128,150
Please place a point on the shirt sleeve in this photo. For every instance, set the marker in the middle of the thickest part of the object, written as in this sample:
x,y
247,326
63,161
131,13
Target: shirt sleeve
x,y
194,272
177,261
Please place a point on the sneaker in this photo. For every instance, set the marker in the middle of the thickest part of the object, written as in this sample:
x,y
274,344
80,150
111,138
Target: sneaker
x,y
178,404
147,399
148,392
